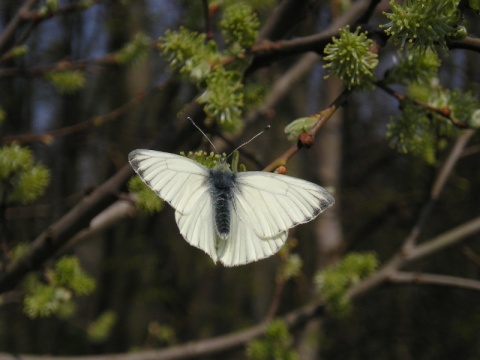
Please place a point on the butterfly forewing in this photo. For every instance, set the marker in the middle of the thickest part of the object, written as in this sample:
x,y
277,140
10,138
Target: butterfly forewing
x,y
274,203
176,179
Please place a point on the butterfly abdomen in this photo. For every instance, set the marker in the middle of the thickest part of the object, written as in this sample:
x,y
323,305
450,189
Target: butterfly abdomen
x,y
221,189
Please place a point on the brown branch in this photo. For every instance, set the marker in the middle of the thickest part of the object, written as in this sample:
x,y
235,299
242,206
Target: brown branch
x,y
16,21
433,279
37,16
65,65
207,16
410,251
295,318
437,187
96,121
284,17
322,116
267,51
401,259
469,43
472,256
443,111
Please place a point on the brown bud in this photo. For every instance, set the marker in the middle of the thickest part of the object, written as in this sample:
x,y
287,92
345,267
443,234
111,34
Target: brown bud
x,y
306,139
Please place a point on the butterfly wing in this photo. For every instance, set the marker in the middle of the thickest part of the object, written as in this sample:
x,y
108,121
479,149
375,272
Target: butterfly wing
x,y
182,183
244,245
273,203
176,179
197,227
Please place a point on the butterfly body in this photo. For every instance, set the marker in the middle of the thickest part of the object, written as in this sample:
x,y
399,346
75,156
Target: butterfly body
x,y
222,182
235,217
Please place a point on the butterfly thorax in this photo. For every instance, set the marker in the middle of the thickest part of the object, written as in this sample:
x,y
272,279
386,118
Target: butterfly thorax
x,y
222,181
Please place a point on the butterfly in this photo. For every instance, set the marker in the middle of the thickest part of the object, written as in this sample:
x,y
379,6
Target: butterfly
x,y
235,217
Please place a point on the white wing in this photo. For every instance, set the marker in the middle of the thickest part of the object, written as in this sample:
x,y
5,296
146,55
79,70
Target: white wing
x,y
197,226
176,179
273,203
182,183
244,245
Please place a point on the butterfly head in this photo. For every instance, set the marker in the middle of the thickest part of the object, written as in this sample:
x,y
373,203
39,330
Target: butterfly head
x,y
222,165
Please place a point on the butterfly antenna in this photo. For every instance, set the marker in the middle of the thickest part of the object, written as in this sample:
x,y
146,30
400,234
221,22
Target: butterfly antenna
x,y
245,143
206,137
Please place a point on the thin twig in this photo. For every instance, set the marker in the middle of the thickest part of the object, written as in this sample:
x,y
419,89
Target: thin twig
x,y
438,185
322,116
442,111
434,279
12,26
95,121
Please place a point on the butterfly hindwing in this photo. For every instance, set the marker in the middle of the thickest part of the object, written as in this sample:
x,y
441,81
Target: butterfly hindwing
x,y
197,226
244,245
273,203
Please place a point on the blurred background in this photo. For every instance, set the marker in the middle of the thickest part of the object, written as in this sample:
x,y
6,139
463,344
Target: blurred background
x,y
144,287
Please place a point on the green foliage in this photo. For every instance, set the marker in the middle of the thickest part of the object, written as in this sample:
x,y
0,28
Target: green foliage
x,y
3,115
422,23
253,95
413,132
99,330
147,200
31,184
48,7
56,297
334,282
475,119
423,132
474,4
163,334
204,158
298,126
19,250
277,344
67,81
69,274
217,73
349,58
134,51
223,97
45,301
415,66
291,267
21,179
19,51
239,26
190,54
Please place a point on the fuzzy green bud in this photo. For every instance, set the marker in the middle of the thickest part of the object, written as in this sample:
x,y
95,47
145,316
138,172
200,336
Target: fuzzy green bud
x,y
349,58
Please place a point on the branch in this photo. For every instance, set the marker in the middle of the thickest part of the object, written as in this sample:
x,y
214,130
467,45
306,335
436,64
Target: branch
x,y
195,348
444,111
267,52
298,317
95,121
437,187
434,279
469,43
323,116
12,26
285,16
448,238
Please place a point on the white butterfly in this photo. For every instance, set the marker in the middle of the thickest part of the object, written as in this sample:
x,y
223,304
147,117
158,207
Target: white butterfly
x,y
235,217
